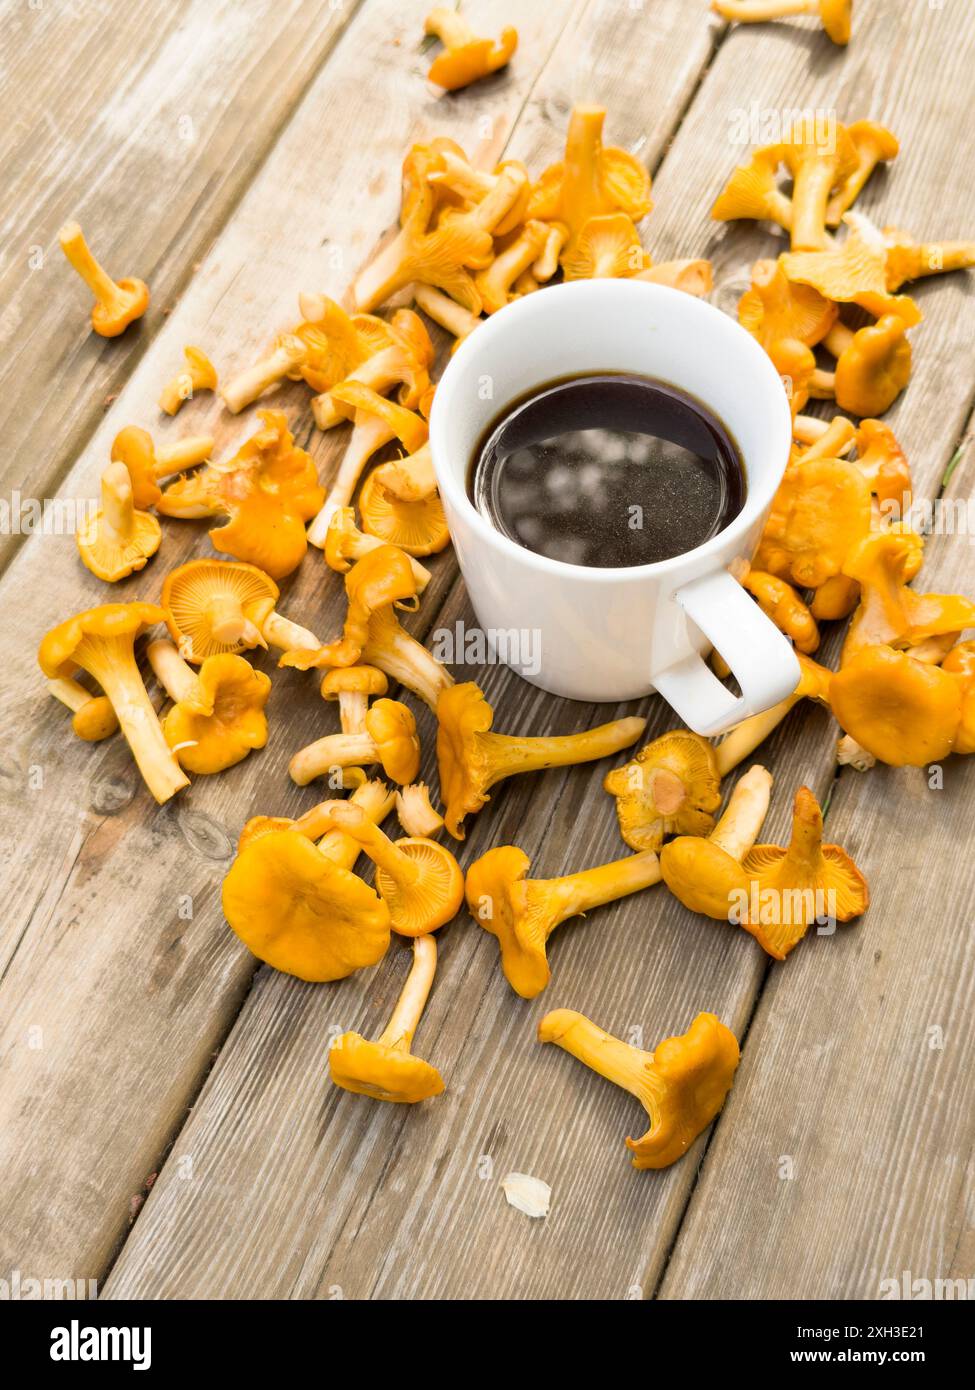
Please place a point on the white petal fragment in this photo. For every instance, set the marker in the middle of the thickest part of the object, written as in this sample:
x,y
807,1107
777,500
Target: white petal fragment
x,y
527,1194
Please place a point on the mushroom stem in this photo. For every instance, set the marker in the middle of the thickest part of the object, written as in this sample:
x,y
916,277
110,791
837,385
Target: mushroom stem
x,y
334,750
94,718
353,706
289,636
176,676
758,11
81,259
849,753
838,339
230,625
446,311
379,372
70,693
407,661
111,662
346,542
591,888
449,26
118,506
509,755
403,870
409,1008
247,385
374,799
612,1058
368,435
183,453
738,828
745,737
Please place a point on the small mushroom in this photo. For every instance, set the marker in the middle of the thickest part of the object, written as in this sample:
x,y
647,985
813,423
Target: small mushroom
x,y
473,185
117,302
268,491
218,714
419,880
93,717
411,479
707,875
741,741
454,317
874,144
824,440
777,308
373,797
671,787
382,577
438,258
344,542
389,738
523,912
377,421
116,540
353,687
101,641
796,885
883,463
466,57
418,528
853,271
752,191
874,369
218,606
199,374
472,759
414,811
298,910
386,1069
779,601
682,1083
890,613
834,15
592,179
147,464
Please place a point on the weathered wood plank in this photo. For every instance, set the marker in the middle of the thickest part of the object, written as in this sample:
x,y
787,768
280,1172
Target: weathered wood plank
x,y
97,880
394,1203
156,109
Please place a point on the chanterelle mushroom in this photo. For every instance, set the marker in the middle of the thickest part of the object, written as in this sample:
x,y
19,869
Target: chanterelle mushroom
x,y
793,887
268,490
218,715
101,641
523,912
217,606
353,687
419,880
472,759
415,813
389,738
682,1083
117,302
372,797
752,191
301,912
199,374
418,528
834,15
821,510
671,787
386,1069
117,540
382,578
466,57
707,875
874,144
147,464
903,711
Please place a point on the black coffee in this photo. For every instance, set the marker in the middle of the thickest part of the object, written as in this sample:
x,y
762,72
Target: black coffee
x,y
607,470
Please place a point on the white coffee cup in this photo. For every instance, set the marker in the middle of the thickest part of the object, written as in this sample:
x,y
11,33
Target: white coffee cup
x,y
619,634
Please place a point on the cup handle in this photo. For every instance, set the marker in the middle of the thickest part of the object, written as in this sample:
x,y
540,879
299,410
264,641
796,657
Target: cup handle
x,y
761,659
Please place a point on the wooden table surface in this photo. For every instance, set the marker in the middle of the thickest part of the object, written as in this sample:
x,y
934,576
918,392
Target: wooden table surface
x,y
166,1125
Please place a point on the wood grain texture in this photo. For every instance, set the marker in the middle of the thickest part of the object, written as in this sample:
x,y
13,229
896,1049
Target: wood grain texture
x,y
395,1204
98,881
146,122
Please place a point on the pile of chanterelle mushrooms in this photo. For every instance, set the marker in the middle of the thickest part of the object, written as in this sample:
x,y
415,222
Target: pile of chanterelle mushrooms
x,y
470,240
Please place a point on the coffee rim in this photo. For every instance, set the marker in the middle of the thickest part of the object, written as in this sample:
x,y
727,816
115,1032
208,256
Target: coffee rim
x,y
712,320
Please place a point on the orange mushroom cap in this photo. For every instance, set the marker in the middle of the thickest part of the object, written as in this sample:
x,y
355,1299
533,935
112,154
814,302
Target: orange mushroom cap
x,y
466,58
874,369
905,712
418,528
117,302
217,606
671,787
219,726
822,508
